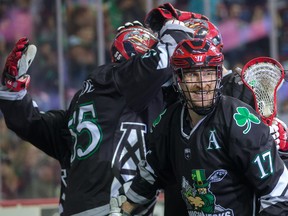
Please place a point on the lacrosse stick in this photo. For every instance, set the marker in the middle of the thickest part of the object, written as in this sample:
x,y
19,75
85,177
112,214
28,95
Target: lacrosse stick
x,y
263,76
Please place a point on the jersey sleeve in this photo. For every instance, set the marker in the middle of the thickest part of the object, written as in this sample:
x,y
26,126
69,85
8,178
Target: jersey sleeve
x,y
45,131
141,77
156,172
254,153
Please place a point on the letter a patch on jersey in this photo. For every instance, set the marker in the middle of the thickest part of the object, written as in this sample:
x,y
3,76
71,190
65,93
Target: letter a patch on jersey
x,y
213,144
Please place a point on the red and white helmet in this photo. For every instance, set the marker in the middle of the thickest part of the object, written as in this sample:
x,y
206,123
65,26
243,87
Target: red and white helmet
x,y
131,40
205,29
198,57
196,52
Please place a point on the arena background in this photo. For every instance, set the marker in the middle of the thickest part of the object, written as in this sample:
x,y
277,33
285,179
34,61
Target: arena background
x,y
73,37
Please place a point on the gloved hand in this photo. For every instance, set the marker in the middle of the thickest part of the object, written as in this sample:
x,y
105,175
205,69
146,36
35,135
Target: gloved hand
x,y
115,206
129,24
278,130
237,74
183,15
172,32
14,75
157,16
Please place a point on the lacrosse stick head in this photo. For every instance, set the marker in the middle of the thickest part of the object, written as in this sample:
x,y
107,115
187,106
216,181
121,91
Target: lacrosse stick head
x,y
263,76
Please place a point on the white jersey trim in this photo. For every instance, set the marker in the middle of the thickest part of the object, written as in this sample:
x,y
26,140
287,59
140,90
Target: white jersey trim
x,y
13,96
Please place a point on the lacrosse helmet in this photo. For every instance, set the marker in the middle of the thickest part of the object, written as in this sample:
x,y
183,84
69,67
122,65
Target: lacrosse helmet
x,y
130,40
197,66
205,29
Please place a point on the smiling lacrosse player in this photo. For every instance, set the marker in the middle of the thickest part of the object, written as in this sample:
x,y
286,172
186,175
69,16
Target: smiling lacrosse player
x,y
214,147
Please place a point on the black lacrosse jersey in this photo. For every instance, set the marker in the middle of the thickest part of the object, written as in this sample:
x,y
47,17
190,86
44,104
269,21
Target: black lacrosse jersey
x,y
220,165
99,140
231,86
108,120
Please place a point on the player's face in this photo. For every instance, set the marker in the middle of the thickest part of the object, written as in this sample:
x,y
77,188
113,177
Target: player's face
x,y
198,86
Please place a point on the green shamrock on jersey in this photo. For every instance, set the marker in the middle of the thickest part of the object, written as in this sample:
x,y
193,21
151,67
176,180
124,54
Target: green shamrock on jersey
x,y
244,117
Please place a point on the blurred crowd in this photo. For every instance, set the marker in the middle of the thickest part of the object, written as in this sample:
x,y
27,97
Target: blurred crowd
x,y
28,173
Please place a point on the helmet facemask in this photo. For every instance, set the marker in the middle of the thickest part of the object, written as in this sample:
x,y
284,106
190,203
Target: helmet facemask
x,y
200,87
197,65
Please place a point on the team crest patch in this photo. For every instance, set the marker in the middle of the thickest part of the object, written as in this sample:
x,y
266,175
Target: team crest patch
x,y
244,117
187,153
198,197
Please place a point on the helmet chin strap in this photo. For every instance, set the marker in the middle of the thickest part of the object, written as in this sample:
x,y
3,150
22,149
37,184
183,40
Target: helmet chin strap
x,y
202,110
195,117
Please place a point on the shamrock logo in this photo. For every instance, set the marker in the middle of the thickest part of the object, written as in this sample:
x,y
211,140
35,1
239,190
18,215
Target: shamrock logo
x,y
252,83
244,117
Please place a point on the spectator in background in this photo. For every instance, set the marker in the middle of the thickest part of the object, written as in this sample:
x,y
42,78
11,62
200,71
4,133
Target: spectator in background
x,y
81,61
46,185
18,12
9,180
131,9
82,46
3,48
199,7
30,164
46,71
124,10
20,166
283,108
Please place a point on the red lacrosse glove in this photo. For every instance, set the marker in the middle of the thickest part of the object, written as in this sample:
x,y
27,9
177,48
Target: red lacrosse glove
x,y
14,75
183,15
278,130
157,16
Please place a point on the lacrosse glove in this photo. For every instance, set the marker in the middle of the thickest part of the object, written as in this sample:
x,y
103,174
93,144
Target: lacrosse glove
x,y
278,130
156,18
14,75
115,206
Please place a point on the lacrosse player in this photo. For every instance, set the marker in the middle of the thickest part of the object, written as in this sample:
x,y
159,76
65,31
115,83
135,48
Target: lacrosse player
x,y
231,85
214,147
99,140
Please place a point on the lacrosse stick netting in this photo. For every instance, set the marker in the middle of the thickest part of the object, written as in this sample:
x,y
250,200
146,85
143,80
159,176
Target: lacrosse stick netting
x,y
263,76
